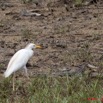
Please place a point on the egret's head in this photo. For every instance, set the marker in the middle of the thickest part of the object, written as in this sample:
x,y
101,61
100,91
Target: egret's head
x,y
33,46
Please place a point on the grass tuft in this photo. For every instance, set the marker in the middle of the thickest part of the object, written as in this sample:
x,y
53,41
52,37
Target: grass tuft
x,y
44,89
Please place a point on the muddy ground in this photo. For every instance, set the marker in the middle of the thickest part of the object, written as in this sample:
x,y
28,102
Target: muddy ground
x,y
71,36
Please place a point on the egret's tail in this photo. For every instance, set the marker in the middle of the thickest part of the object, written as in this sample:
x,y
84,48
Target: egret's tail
x,y
7,73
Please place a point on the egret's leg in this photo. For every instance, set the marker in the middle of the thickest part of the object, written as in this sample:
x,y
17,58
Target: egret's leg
x,y
26,72
14,81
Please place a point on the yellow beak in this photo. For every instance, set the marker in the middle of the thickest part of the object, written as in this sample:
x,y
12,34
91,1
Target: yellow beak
x,y
38,47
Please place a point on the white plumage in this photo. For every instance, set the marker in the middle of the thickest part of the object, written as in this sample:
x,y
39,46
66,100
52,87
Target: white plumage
x,y
20,59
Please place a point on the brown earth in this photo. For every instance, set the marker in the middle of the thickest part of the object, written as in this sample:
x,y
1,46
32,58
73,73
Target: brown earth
x,y
70,38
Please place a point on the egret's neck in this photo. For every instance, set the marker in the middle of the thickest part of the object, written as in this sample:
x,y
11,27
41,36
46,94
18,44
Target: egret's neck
x,y
28,48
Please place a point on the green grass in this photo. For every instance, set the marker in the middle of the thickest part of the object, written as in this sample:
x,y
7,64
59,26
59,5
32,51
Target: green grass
x,y
43,89
78,2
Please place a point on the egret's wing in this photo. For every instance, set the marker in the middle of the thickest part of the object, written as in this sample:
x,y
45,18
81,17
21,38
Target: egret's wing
x,y
12,69
13,59
17,61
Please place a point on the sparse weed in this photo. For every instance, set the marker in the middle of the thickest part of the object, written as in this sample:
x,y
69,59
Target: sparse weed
x,y
26,33
1,66
26,1
78,2
83,54
63,29
96,37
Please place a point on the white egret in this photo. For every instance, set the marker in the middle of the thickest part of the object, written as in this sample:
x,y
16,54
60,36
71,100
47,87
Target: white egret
x,y
19,60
